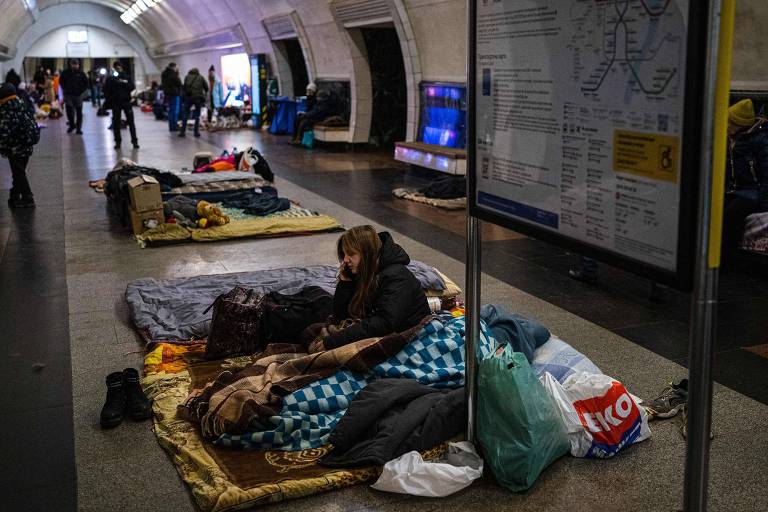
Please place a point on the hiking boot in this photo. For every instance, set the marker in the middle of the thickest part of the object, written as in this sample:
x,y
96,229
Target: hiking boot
x,y
684,424
670,401
137,405
114,406
135,144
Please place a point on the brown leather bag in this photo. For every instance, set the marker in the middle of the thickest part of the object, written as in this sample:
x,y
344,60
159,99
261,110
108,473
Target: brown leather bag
x,y
236,324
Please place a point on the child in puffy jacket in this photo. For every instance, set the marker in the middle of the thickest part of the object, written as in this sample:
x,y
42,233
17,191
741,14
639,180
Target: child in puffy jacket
x,y
18,134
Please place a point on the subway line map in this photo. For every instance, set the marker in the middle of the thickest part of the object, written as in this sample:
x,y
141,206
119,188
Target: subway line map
x,y
634,43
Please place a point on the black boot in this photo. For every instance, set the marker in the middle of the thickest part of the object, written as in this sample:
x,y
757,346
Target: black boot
x,y
137,404
112,412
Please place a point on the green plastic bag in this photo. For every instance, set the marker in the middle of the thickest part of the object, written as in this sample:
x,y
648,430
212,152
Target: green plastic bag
x,y
518,426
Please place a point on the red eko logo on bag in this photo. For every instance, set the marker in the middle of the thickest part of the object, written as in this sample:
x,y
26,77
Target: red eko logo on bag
x,y
613,420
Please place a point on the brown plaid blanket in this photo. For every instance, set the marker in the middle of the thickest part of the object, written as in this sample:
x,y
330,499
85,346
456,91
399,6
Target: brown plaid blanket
x,y
234,400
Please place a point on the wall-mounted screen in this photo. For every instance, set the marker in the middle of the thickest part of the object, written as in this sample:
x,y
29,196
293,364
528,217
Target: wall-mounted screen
x,y
236,79
443,116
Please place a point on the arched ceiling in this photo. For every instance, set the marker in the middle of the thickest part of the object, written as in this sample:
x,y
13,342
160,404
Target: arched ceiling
x,y
167,22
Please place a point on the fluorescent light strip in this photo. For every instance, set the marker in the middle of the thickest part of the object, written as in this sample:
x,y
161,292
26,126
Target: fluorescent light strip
x,y
136,9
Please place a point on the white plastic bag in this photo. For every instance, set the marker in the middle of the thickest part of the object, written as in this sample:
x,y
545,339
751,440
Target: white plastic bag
x,y
410,474
600,415
561,360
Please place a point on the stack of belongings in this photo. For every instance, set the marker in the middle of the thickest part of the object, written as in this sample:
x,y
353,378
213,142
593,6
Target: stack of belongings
x,y
250,160
142,194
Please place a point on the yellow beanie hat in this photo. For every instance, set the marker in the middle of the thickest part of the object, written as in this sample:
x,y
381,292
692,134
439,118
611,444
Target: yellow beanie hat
x,y
742,113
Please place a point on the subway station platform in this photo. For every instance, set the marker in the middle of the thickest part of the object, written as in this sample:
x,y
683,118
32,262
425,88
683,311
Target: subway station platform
x,y
65,266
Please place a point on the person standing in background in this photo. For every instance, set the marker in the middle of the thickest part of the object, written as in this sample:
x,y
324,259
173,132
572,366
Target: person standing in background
x,y
48,87
13,78
171,85
39,79
194,91
74,83
56,86
117,94
95,85
18,134
216,95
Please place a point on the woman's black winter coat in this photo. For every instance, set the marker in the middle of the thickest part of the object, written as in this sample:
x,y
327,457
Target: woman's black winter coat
x,y
399,303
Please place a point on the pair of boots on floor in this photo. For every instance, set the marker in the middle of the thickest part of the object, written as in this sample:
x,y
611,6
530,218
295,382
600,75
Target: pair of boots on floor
x,y
124,396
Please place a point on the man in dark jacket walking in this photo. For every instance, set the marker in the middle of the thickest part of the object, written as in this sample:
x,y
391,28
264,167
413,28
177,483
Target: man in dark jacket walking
x,y
18,134
195,90
171,85
74,83
117,94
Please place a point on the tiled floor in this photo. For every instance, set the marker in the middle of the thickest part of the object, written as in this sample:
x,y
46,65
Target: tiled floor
x,y
66,265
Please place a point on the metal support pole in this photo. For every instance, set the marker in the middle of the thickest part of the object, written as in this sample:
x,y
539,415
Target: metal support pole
x,y
472,324
704,300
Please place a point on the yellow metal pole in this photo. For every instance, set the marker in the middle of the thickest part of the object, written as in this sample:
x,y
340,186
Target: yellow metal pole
x,y
722,93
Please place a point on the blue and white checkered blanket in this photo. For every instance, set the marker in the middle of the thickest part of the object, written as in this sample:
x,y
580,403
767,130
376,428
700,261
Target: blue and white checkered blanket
x,y
435,358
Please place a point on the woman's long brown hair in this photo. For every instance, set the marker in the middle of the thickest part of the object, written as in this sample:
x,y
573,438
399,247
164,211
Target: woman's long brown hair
x,y
362,240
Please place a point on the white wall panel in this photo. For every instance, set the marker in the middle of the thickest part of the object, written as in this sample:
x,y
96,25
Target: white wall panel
x,y
439,28
101,43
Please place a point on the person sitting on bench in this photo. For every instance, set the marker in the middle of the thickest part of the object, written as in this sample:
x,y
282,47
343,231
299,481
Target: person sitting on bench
x,y
746,176
317,111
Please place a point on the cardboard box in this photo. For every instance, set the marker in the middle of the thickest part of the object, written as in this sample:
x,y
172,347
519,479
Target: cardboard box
x,y
144,194
139,218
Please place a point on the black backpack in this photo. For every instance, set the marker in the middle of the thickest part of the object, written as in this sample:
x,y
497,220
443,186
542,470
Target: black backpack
x,y
286,316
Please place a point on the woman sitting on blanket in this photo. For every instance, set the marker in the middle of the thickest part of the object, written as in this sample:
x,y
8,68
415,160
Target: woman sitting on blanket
x,y
375,290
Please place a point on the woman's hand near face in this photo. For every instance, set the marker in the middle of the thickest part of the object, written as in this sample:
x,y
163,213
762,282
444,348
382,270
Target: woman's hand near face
x,y
344,274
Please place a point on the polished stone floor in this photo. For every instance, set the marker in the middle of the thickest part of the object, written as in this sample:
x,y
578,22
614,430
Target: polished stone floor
x,y
65,267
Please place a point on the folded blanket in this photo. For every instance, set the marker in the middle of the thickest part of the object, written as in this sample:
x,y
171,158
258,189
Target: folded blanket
x,y
234,400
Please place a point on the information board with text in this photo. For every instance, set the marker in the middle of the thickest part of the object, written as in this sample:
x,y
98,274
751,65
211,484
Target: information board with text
x,y
579,123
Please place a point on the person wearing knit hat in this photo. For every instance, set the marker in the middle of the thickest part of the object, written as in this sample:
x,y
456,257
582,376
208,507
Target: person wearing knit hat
x,y
746,173
741,114
18,134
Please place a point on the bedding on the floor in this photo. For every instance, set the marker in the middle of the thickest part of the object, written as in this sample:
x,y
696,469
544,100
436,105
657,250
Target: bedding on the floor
x,y
222,479
174,309
294,221
234,402
434,357
413,194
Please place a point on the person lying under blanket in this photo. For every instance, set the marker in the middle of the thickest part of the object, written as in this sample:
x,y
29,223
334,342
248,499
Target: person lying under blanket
x,y
375,293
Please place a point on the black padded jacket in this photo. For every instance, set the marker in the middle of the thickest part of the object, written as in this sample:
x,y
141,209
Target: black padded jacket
x,y
399,303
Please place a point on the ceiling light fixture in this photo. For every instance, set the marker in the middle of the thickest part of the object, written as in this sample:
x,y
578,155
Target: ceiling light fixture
x,y
136,9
